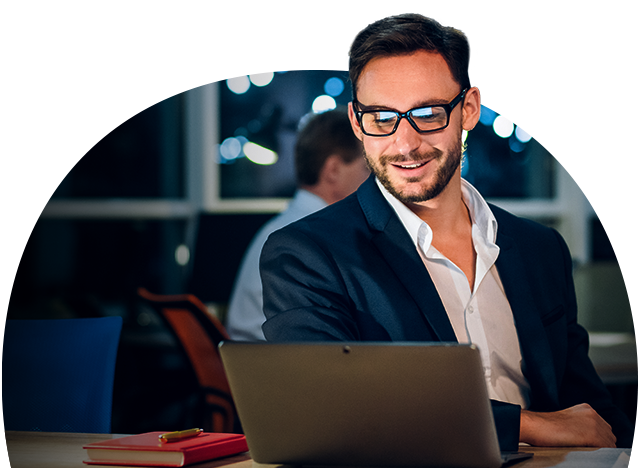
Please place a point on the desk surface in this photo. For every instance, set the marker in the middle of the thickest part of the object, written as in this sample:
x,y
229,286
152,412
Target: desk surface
x,y
64,450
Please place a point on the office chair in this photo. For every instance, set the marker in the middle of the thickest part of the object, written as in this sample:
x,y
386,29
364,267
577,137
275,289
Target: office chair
x,y
198,332
57,375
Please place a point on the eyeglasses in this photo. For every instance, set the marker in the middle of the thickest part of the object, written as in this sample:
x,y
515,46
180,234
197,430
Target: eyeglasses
x,y
383,122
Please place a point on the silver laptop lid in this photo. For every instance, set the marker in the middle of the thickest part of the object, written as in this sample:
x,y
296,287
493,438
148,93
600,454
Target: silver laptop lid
x,y
363,404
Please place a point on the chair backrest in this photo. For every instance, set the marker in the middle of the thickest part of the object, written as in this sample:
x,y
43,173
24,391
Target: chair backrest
x,y
57,375
198,333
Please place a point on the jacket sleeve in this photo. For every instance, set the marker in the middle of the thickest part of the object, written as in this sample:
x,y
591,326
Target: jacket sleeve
x,y
507,420
580,382
303,296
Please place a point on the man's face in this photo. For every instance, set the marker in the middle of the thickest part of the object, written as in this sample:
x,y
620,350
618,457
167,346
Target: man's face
x,y
414,167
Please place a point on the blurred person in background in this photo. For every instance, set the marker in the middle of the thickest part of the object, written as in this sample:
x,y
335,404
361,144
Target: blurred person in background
x,y
329,166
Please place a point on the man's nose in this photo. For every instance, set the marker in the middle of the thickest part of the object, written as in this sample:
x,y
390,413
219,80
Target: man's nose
x,y
407,139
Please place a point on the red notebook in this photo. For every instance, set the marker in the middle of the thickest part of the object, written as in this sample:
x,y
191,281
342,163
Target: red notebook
x,y
147,450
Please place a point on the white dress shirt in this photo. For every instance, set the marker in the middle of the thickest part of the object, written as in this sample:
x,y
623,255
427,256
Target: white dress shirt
x,y
481,316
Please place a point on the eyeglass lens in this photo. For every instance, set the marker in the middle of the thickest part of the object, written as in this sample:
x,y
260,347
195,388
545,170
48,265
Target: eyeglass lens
x,y
384,122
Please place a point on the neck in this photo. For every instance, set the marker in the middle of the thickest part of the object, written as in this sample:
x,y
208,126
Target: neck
x,y
445,213
321,191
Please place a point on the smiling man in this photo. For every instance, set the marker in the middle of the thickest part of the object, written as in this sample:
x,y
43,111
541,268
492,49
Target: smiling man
x,y
416,254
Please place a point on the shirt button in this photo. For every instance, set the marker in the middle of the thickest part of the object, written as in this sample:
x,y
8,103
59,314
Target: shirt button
x,y
470,309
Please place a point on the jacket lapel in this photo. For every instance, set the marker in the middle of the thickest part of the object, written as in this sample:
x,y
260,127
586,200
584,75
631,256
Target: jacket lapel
x,y
399,251
536,353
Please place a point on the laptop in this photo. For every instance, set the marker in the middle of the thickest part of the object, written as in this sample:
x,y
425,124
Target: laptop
x,y
363,404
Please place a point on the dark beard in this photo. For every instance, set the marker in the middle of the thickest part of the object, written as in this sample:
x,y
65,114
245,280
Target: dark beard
x,y
442,177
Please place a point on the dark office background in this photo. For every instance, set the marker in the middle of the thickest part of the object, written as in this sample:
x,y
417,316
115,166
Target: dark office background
x,y
112,109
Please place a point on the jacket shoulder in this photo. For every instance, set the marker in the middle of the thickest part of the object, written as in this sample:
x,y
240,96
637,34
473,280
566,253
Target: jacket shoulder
x,y
512,224
340,216
535,240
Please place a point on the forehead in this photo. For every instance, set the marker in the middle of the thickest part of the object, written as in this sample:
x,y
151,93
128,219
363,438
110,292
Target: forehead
x,y
405,81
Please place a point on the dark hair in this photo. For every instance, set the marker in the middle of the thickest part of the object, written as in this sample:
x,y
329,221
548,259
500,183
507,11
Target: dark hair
x,y
320,136
407,33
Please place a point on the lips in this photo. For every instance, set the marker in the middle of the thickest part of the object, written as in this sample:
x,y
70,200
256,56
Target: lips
x,y
411,166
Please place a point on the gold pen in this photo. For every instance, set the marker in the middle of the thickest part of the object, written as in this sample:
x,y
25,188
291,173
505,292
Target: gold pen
x,y
179,435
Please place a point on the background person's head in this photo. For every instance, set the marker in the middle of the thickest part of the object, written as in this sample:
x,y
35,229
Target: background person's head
x,y
328,156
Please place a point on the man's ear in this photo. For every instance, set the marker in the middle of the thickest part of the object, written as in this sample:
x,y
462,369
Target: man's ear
x,y
354,122
330,171
471,109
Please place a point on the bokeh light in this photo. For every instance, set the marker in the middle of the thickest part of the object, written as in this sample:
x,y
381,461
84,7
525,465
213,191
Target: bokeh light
x,y
259,154
323,103
239,85
182,255
261,79
334,86
521,135
502,126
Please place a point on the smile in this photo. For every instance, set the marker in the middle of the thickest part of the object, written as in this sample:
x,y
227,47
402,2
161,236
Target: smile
x,y
411,166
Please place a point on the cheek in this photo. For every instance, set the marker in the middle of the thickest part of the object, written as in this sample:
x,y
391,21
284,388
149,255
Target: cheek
x,y
374,147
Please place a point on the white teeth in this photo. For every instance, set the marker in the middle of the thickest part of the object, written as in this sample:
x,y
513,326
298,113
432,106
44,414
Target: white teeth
x,y
412,166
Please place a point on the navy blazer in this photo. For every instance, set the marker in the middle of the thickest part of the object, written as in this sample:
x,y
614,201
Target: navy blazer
x,y
351,272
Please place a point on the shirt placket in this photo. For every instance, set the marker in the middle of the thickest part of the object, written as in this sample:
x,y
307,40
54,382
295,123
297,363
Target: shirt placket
x,y
486,256
472,315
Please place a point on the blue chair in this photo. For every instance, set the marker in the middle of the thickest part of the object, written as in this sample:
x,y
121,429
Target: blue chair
x,y
57,375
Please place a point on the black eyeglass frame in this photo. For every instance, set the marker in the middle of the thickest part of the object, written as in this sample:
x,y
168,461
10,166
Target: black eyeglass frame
x,y
448,108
